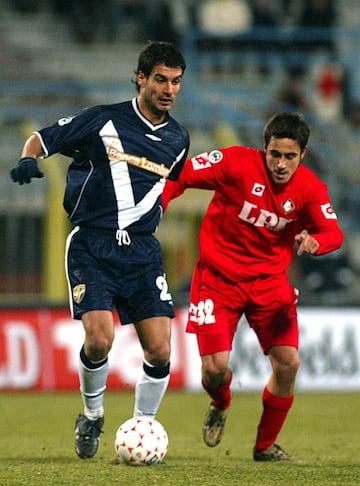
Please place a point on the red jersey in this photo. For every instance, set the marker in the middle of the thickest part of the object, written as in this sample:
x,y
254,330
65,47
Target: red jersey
x,y
251,222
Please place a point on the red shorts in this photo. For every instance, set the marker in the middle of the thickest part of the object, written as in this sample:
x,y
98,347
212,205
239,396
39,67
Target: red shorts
x,y
216,306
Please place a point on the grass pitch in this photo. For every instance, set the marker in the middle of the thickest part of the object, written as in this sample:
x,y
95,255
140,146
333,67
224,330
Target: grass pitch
x,y
36,442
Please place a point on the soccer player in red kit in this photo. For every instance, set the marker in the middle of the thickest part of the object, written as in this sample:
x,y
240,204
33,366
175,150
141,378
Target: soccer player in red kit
x,y
265,203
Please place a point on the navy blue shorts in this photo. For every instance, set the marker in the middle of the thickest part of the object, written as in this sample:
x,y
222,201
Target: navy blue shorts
x,y
104,275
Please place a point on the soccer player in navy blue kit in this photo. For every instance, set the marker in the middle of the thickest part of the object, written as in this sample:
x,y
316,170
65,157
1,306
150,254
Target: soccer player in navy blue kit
x,y
122,154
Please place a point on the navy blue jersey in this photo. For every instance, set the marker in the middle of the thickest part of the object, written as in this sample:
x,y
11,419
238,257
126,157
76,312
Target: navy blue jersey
x,y
120,164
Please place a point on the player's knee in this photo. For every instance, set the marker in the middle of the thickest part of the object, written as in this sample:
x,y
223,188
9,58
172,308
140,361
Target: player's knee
x,y
158,355
287,369
98,347
214,365
296,363
211,369
285,359
214,374
293,363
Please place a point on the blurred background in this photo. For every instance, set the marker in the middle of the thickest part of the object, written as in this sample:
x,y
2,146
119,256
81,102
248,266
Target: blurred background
x,y
246,60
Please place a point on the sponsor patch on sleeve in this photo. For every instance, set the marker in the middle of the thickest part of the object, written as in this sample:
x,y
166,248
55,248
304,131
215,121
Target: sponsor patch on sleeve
x,y
205,160
328,211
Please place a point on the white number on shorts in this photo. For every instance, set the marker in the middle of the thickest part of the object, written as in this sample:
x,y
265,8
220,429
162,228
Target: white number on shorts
x,y
205,312
162,285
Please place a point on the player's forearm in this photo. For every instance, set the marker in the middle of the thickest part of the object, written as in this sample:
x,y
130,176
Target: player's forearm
x,y
32,147
329,240
172,190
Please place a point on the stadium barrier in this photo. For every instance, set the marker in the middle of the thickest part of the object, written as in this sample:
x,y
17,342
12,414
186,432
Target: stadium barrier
x,y
40,350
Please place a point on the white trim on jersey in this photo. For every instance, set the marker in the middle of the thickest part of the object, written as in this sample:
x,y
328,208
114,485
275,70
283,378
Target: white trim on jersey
x,y
67,245
145,120
43,146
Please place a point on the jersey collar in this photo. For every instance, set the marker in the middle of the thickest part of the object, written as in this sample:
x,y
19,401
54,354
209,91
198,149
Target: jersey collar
x,y
144,119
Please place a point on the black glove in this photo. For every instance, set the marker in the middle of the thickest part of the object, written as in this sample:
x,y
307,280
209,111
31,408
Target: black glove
x,y
25,170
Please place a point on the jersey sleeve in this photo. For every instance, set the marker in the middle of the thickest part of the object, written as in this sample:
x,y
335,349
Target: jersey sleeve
x,y
69,133
181,158
204,171
322,220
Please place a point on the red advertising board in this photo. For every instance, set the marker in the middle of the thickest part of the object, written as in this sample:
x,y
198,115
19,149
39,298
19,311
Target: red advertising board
x,y
40,351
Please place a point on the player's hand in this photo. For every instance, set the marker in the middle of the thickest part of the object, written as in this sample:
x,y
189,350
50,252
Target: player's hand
x,y
25,170
307,244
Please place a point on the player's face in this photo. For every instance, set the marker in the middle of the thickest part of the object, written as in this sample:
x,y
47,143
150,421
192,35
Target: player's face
x,y
158,92
283,156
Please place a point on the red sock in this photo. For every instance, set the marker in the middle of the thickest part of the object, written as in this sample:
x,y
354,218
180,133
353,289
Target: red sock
x,y
220,395
272,419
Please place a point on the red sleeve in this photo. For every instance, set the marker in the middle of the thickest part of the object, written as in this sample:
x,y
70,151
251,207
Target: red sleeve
x,y
323,226
204,171
329,235
171,190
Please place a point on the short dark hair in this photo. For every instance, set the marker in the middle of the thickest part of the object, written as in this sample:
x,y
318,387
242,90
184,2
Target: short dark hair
x,y
287,125
159,52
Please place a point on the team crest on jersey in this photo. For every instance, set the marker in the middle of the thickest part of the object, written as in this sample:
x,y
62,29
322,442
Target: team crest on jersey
x,y
78,293
258,189
288,206
65,121
215,156
328,211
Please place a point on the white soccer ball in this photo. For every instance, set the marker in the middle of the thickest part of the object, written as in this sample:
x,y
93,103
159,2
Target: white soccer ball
x,y
141,441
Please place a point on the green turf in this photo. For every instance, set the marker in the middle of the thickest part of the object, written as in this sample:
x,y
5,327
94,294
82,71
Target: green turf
x,y
36,443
